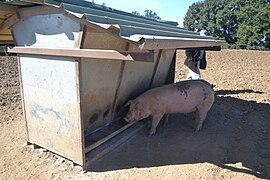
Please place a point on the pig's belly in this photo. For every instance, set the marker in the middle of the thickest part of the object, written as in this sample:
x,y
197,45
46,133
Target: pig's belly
x,y
183,106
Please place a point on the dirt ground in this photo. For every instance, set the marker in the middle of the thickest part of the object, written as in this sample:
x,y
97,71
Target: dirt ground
x,y
234,142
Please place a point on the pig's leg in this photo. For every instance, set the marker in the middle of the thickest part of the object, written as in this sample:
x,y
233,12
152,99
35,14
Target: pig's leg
x,y
166,119
200,117
155,120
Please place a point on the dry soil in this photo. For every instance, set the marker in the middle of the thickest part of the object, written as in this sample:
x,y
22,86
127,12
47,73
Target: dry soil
x,y
234,142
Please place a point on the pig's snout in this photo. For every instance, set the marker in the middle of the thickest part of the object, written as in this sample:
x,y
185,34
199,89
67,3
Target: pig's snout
x,y
126,119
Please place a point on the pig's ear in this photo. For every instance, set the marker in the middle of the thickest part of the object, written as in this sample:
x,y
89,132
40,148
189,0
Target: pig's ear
x,y
138,106
127,104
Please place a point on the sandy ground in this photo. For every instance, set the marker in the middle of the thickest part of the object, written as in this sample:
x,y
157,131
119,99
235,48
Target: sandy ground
x,y
234,142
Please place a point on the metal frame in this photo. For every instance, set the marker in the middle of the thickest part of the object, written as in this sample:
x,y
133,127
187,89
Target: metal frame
x,y
86,53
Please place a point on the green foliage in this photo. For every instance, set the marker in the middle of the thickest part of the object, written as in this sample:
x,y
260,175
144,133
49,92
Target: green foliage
x,y
147,13
192,18
135,13
151,14
242,23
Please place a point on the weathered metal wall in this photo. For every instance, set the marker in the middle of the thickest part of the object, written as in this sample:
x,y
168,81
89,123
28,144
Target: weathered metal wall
x,y
50,85
55,30
163,67
51,101
98,85
65,97
107,85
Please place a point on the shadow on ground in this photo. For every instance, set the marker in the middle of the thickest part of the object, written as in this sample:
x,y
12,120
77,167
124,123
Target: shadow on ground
x,y
235,131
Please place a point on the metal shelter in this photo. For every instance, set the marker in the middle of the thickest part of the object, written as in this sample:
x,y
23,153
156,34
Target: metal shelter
x,y
80,62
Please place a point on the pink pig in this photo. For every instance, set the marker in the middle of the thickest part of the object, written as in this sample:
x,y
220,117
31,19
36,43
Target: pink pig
x,y
181,97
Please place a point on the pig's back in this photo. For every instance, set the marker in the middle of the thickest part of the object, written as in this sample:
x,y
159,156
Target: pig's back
x,y
182,96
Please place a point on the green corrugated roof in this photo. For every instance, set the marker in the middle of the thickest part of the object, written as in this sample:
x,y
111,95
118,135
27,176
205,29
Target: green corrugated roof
x,y
130,25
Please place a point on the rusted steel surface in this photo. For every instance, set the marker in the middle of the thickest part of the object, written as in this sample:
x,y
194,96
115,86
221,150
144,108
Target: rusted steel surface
x,y
50,85
98,85
135,80
51,104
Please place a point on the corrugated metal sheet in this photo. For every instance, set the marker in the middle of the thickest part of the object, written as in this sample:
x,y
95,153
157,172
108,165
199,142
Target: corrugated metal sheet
x,y
135,28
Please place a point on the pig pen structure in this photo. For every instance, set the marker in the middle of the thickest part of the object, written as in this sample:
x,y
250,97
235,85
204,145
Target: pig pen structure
x,y
79,64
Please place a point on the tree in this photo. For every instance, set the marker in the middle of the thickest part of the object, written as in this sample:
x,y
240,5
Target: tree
x,y
192,17
147,13
151,14
254,18
136,13
244,23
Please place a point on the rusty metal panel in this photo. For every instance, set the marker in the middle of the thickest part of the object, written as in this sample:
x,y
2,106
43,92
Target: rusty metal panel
x,y
50,90
136,79
161,74
52,30
98,86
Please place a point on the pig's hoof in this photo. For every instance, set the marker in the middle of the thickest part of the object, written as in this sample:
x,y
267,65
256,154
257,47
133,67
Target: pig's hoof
x,y
151,133
198,129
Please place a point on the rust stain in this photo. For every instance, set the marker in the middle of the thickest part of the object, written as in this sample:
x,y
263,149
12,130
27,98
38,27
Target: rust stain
x,y
106,113
94,118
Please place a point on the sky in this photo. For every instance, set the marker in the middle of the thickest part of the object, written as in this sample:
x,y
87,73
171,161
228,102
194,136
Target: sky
x,y
172,10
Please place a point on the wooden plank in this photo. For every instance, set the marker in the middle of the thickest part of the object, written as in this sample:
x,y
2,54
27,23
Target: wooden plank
x,y
8,8
95,145
5,37
6,42
86,53
5,32
9,22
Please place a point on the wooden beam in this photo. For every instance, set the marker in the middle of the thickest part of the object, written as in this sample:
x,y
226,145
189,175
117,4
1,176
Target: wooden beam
x,y
4,42
86,53
9,22
6,37
8,8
